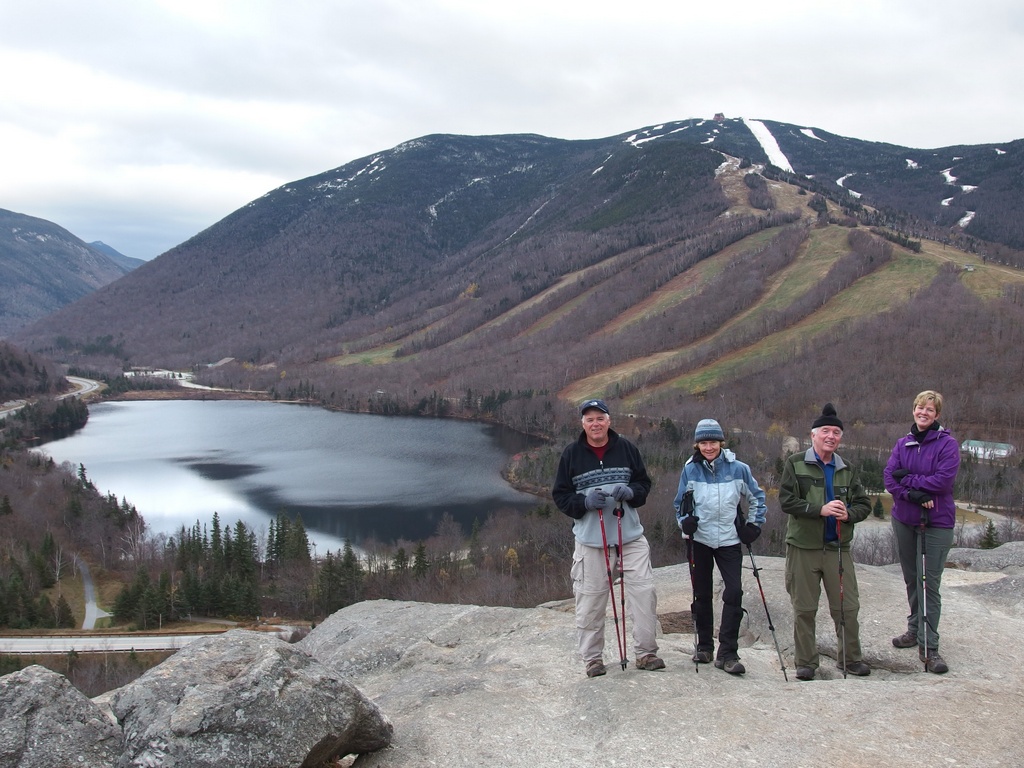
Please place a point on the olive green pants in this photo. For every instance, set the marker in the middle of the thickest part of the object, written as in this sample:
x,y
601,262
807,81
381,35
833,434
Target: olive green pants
x,y
806,571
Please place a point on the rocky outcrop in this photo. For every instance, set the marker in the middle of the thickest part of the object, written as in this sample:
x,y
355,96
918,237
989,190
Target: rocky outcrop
x,y
476,686
473,686
244,699
238,699
45,722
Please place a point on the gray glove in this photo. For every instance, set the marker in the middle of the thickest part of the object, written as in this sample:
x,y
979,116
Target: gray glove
x,y
622,492
595,498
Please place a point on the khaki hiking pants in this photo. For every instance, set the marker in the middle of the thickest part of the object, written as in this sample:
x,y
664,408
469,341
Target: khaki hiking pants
x,y
590,585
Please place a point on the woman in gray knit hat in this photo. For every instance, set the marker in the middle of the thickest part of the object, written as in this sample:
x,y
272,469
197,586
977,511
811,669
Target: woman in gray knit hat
x,y
714,487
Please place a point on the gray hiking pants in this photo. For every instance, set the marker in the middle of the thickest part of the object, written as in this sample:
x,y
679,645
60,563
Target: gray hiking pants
x,y
937,542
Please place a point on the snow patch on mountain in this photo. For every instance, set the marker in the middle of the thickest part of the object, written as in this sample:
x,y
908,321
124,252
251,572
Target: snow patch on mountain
x,y
841,181
809,133
768,144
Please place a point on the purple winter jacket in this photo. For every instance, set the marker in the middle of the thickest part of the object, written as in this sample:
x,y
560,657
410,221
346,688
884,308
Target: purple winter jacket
x,y
933,464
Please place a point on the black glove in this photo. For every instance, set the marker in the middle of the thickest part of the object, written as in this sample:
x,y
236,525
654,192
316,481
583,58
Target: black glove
x,y
918,497
622,492
689,524
749,533
687,505
899,474
595,498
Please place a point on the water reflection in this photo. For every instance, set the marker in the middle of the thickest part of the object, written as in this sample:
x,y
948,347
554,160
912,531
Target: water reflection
x,y
349,476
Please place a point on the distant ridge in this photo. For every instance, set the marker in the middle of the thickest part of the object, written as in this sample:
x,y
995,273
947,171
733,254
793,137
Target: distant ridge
x,y
43,267
128,262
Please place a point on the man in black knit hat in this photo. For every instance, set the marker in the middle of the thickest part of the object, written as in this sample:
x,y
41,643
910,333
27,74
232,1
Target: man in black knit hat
x,y
824,499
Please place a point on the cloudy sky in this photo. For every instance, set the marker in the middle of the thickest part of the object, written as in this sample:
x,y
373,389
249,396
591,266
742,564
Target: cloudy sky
x,y
142,122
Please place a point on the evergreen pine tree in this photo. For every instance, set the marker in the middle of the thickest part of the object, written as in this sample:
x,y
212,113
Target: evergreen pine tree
x,y
420,564
216,543
989,539
476,551
351,575
878,510
298,543
400,561
328,584
4,603
65,619
45,616
272,549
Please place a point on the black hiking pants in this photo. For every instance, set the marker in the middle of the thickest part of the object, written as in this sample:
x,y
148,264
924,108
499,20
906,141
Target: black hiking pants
x,y
730,566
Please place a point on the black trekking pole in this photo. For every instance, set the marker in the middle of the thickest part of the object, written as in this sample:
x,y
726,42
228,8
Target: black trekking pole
x,y
693,587
623,645
842,605
764,602
611,582
922,629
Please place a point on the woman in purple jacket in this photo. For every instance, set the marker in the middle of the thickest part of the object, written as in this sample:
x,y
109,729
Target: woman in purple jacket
x,y
920,476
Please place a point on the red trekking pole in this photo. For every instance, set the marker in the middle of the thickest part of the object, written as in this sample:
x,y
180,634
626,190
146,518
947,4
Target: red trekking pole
x,y
611,584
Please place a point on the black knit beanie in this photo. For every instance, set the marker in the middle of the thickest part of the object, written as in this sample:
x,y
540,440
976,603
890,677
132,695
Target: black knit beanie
x,y
828,418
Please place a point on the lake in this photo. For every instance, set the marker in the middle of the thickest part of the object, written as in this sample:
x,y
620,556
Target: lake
x,y
349,476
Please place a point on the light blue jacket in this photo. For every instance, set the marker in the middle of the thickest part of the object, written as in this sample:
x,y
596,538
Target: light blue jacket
x,y
718,488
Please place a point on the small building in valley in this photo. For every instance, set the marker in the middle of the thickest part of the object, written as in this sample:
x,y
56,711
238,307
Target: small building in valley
x,y
985,450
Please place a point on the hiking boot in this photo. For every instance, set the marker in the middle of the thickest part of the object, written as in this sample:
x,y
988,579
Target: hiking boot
x,y
934,663
858,668
907,640
650,662
702,656
805,673
595,668
732,666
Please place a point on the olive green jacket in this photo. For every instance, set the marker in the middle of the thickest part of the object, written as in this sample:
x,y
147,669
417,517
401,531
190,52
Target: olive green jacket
x,y
802,495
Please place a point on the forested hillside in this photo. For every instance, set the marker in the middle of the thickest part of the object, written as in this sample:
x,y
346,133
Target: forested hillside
x,y
25,375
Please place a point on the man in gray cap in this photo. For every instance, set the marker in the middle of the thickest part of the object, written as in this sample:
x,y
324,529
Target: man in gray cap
x,y
824,499
597,473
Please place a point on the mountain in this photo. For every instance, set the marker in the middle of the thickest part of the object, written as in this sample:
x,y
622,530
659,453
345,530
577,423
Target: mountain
x,y
43,267
128,262
506,273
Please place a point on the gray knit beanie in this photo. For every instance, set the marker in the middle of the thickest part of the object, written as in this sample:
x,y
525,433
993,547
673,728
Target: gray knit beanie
x,y
708,429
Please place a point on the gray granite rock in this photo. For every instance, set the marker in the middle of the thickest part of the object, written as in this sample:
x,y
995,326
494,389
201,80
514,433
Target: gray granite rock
x,y
45,722
474,686
244,699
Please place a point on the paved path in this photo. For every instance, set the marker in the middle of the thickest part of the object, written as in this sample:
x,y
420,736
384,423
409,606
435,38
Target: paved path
x,y
92,610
